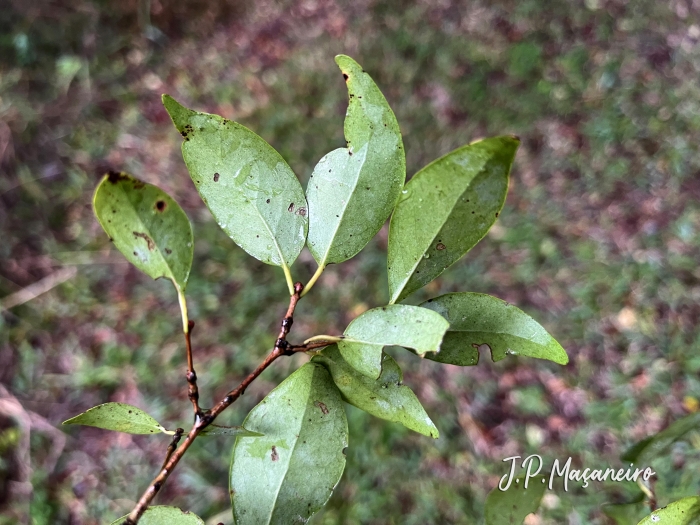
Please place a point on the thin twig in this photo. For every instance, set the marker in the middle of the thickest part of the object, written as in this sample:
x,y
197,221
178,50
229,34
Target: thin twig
x,y
39,287
280,349
193,391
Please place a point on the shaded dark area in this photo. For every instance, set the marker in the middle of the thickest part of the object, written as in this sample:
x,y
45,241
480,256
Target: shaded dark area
x,y
599,240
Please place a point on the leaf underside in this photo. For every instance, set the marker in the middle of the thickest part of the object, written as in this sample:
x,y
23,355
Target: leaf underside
x,y
289,474
444,210
353,190
385,398
147,226
479,319
249,188
394,325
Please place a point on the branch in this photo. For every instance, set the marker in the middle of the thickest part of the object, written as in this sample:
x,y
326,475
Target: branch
x,y
173,457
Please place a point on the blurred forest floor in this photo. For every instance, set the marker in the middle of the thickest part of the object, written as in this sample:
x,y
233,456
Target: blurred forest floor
x,y
599,240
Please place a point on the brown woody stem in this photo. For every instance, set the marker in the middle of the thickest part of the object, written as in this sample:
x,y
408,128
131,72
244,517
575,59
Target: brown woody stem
x,y
174,455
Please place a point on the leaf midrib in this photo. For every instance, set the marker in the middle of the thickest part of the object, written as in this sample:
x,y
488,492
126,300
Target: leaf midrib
x,y
291,453
347,205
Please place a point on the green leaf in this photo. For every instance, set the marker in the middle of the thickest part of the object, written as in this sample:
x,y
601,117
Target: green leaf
x,y
625,513
117,416
478,319
397,324
147,226
446,208
289,474
648,449
249,188
162,515
353,190
386,398
512,506
685,511
219,430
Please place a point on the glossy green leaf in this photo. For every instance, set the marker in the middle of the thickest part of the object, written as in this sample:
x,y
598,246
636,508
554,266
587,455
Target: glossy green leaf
x,y
648,449
117,416
386,398
445,209
625,513
353,190
685,511
397,324
289,474
249,188
512,506
162,515
219,430
147,226
479,319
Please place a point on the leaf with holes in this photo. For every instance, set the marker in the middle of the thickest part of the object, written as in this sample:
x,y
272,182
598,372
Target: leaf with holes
x,y
648,449
353,190
248,187
478,319
386,398
289,474
513,505
685,511
393,325
117,416
147,226
162,515
445,209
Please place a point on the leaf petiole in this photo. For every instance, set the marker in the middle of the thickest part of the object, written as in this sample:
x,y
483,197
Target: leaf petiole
x,y
313,279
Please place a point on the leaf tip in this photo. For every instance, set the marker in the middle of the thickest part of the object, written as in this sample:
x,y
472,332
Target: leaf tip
x,y
179,114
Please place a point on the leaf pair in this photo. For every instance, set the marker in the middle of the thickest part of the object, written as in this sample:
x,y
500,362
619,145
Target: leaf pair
x,y
448,329
258,201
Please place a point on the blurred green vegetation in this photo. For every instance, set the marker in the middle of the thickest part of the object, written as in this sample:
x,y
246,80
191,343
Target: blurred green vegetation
x,y
598,240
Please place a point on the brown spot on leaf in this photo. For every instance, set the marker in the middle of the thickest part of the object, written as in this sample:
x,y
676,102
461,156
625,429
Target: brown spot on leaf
x,y
291,208
147,238
160,205
301,211
168,251
322,406
216,177
345,77
115,176
441,246
274,456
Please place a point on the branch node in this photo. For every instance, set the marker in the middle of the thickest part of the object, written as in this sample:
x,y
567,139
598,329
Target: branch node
x,y
298,288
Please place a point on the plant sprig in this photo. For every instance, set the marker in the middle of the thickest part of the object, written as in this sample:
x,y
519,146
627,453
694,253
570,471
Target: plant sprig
x,y
290,450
